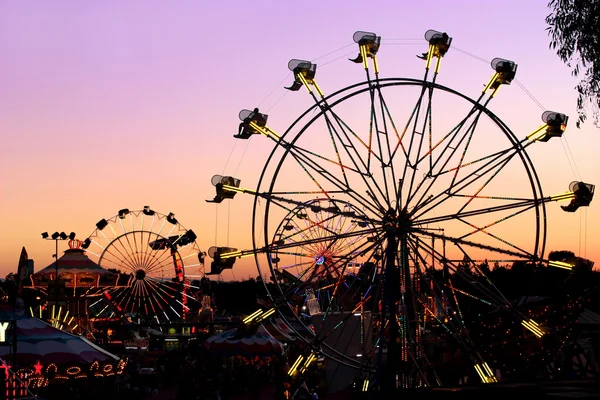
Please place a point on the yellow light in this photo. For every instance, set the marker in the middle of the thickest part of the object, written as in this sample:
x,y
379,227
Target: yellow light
x,y
365,385
488,369
480,373
52,316
429,56
230,254
309,360
363,53
230,188
66,316
560,264
491,82
437,65
564,196
317,88
31,311
265,130
252,316
538,133
485,373
302,79
532,326
292,370
266,315
495,91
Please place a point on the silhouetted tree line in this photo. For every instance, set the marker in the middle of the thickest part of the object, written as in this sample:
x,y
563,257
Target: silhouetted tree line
x,y
516,280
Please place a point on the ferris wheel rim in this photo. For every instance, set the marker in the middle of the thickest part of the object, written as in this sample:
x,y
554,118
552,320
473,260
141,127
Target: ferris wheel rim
x,y
534,183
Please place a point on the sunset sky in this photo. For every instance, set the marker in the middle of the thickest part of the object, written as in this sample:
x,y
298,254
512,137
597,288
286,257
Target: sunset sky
x,y
109,104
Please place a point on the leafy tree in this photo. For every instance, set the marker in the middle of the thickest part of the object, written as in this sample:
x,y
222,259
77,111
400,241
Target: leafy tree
x,y
574,28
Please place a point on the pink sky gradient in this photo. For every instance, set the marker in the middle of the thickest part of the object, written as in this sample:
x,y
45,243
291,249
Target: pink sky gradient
x,y
110,105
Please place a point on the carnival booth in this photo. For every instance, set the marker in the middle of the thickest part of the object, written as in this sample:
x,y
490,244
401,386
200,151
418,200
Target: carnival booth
x,y
37,354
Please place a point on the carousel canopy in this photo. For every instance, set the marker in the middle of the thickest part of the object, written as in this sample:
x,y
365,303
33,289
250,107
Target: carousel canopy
x,y
76,269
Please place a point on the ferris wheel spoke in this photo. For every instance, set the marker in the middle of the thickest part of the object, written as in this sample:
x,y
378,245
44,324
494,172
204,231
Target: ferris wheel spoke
x,y
468,135
119,252
282,202
306,154
472,244
165,283
321,227
158,292
307,165
132,253
503,300
491,295
146,257
298,264
382,121
456,137
115,259
347,138
125,299
136,260
412,125
515,203
474,114
417,152
489,170
483,229
308,236
160,264
324,239
432,177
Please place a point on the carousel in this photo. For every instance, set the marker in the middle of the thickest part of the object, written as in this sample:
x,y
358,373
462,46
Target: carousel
x,y
63,302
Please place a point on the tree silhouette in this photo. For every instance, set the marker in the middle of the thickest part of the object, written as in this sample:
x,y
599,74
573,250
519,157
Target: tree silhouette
x,y
573,28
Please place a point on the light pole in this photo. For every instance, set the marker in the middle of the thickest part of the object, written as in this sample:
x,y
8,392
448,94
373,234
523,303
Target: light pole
x,y
56,237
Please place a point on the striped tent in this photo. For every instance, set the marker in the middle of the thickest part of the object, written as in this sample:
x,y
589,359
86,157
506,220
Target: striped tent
x,y
237,342
38,343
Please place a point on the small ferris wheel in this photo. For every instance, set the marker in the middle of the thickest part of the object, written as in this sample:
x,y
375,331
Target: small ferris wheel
x,y
157,260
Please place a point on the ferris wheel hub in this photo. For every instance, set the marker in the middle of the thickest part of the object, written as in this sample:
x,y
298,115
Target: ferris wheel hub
x,y
140,274
397,221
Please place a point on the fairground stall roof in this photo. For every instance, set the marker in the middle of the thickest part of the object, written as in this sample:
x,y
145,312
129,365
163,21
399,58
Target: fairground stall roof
x,y
44,353
75,269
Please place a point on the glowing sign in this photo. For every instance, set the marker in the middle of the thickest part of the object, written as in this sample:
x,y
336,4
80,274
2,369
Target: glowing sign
x,y
3,328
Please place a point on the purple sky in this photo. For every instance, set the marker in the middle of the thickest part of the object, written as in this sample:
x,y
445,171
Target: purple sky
x,y
109,105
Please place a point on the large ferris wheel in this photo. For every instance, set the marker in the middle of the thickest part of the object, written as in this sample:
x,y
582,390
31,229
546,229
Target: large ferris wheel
x,y
156,258
379,207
